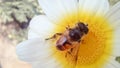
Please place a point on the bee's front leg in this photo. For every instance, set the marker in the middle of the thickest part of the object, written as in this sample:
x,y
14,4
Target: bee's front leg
x,y
68,53
54,36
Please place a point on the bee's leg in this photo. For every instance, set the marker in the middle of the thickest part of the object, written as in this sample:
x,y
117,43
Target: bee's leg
x,y
66,55
82,41
68,27
71,49
54,36
79,41
69,52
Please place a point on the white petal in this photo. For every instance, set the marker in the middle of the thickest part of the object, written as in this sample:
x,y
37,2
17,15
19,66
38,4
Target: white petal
x,y
32,34
112,64
51,63
116,43
57,9
34,50
113,15
40,26
108,66
97,7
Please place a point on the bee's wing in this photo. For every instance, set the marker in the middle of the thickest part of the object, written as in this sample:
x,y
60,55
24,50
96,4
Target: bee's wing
x,y
61,40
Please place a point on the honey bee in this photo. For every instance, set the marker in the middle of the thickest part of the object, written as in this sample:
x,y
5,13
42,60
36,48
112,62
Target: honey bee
x,y
70,36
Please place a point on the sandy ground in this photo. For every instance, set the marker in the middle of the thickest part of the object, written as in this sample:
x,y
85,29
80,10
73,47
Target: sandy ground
x,y
8,57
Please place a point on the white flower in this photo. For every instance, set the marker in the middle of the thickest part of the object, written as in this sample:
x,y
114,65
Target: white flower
x,y
99,48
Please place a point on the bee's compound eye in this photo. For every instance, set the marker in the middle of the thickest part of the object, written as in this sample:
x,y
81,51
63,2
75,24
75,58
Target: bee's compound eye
x,y
74,35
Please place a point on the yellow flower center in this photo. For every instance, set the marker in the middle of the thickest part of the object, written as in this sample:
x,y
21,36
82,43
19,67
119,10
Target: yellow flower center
x,y
94,45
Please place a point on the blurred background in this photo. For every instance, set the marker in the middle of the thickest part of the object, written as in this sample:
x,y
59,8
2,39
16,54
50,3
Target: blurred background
x,y
15,16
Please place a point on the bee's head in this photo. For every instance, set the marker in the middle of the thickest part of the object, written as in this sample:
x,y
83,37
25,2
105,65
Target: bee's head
x,y
83,27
